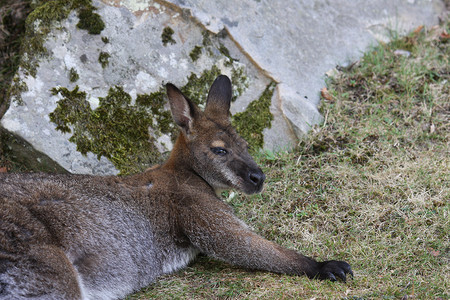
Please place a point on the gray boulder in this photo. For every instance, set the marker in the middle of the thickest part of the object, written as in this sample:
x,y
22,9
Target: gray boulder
x,y
92,98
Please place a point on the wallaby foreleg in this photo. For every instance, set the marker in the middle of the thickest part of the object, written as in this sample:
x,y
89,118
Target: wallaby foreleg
x,y
238,245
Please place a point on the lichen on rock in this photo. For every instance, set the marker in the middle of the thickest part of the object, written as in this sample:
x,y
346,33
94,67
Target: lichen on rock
x,y
116,129
46,16
73,75
166,36
90,21
103,59
195,53
18,86
251,122
197,87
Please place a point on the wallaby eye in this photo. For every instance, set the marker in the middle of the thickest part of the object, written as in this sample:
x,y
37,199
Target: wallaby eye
x,y
219,151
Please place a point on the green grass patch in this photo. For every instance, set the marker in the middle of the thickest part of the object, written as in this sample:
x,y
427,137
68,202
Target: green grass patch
x,y
369,186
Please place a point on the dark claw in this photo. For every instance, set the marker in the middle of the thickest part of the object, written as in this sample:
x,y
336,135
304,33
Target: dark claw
x,y
341,275
330,276
332,269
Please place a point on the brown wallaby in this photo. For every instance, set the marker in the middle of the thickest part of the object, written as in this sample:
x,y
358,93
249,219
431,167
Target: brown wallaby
x,y
92,237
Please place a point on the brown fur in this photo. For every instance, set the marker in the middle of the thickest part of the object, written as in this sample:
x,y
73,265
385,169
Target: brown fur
x,y
88,237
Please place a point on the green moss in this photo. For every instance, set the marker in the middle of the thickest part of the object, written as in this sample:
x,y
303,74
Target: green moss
x,y
116,129
225,52
197,88
166,36
240,82
195,53
73,107
103,59
38,26
162,119
73,75
90,21
251,122
16,89
105,40
206,41
46,16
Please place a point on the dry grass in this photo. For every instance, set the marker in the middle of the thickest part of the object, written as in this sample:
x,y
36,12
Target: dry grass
x,y
370,186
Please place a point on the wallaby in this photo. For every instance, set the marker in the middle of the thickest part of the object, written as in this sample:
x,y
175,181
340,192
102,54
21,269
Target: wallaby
x,y
103,237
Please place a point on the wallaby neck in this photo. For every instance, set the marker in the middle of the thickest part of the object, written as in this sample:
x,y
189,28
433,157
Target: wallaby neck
x,y
182,162
180,158
179,162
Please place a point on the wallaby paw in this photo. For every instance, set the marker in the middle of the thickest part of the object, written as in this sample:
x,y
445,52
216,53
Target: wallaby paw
x,y
333,269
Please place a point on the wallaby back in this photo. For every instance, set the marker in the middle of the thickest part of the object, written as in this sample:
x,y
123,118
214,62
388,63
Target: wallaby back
x,y
92,237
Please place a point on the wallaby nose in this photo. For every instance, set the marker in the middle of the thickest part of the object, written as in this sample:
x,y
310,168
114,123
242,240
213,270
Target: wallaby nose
x,y
254,181
257,177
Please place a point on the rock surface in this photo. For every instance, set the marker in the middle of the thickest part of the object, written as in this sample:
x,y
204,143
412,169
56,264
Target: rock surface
x,y
296,42
146,44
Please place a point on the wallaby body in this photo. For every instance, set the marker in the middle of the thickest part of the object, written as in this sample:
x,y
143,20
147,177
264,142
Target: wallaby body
x,y
91,237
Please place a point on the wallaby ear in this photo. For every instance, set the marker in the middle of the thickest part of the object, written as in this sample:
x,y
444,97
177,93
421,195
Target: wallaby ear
x,y
219,98
183,110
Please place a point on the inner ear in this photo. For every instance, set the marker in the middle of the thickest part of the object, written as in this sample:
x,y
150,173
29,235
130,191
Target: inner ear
x,y
219,98
183,110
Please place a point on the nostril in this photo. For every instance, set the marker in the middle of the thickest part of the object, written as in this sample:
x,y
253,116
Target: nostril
x,y
257,177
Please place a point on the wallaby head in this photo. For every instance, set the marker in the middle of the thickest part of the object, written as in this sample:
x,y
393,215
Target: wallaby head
x,y
209,145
